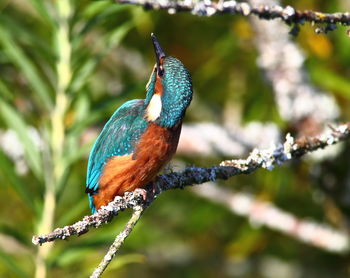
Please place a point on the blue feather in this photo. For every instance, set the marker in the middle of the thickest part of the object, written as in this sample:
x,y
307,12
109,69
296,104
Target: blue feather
x,y
91,203
119,137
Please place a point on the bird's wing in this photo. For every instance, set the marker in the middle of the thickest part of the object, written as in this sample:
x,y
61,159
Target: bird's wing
x,y
118,137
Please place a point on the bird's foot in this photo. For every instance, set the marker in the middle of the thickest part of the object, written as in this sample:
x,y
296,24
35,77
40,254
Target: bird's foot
x,y
142,192
155,189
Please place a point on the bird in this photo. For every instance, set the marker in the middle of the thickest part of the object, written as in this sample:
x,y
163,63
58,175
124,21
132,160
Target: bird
x,y
142,135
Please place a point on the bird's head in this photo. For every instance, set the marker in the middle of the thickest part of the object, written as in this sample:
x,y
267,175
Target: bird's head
x,y
169,90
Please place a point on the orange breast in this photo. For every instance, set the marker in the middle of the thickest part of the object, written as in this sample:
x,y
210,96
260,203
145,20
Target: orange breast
x,y
126,173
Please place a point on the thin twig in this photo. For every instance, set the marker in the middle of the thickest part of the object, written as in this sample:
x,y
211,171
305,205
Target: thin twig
x,y
268,159
208,8
113,249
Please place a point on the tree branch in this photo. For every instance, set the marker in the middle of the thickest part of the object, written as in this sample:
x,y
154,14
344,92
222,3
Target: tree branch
x,y
268,158
192,175
265,213
208,8
102,216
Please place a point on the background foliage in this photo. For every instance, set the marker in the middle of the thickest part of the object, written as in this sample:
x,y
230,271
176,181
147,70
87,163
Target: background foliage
x,y
65,66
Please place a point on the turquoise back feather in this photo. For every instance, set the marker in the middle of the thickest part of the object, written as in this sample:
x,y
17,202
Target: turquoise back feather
x,y
118,137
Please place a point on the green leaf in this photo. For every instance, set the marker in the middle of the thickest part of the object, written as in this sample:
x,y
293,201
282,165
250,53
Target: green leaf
x,y
15,121
81,107
74,212
27,38
18,185
82,74
18,57
12,265
95,8
5,91
330,80
79,153
94,116
116,36
125,260
99,12
72,256
42,10
19,235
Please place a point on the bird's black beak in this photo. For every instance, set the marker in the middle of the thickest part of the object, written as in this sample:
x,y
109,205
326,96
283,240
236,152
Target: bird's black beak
x,y
159,54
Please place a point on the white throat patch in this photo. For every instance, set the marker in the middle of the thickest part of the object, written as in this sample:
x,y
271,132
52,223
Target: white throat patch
x,y
154,108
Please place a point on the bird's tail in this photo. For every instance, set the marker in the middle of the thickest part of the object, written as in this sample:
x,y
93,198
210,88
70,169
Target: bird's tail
x,y
91,203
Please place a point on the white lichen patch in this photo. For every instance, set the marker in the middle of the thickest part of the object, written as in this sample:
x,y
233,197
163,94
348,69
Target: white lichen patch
x,y
245,9
343,129
229,4
288,146
288,12
266,158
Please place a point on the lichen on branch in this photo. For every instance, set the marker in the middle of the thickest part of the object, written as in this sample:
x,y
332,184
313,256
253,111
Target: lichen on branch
x,y
269,158
209,8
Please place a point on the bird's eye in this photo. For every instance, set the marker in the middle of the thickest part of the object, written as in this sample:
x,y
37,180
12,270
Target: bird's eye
x,y
161,70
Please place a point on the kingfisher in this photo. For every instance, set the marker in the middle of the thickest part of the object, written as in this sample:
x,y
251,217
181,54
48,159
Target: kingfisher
x,y
142,135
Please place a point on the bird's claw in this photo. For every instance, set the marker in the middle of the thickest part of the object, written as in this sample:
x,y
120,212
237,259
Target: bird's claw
x,y
142,192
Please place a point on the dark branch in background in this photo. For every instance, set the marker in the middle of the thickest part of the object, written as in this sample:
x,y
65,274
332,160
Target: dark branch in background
x,y
208,8
268,158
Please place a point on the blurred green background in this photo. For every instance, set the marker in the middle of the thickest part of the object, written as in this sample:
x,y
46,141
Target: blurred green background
x,y
65,66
